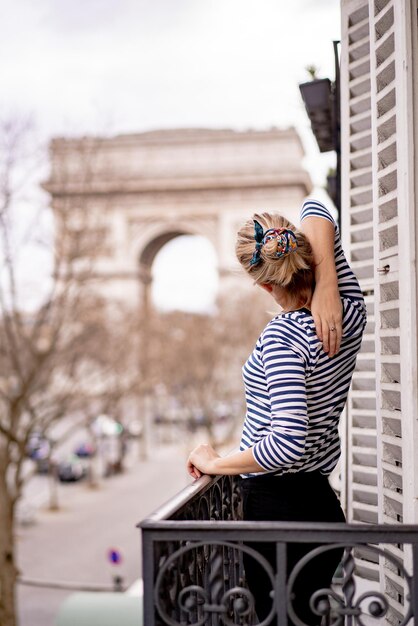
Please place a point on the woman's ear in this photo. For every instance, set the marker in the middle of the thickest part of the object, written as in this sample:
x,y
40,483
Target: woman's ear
x,y
267,286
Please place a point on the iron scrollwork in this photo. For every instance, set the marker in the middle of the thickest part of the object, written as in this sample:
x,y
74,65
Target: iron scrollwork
x,y
336,607
222,501
199,601
207,594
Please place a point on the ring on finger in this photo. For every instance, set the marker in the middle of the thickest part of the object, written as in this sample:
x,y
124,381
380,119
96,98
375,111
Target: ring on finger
x,y
332,328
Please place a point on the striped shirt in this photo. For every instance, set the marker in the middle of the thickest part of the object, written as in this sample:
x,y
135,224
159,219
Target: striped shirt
x,y
294,392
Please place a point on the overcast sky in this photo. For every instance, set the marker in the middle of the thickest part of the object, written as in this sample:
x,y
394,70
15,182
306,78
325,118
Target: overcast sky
x,y
110,66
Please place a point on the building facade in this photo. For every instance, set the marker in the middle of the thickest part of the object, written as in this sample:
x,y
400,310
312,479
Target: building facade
x,y
379,192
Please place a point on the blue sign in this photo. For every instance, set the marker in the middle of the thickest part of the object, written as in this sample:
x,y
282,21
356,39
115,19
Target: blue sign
x,y
114,556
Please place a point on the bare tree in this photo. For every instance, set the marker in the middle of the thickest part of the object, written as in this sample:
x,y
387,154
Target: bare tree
x,y
197,359
60,357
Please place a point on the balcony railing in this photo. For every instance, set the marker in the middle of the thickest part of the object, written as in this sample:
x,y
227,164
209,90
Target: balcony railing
x,y
193,564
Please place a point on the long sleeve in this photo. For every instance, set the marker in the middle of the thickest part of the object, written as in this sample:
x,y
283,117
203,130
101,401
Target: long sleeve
x,y
285,375
348,284
314,208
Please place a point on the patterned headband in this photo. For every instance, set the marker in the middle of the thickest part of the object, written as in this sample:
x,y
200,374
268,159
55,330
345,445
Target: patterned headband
x,y
286,241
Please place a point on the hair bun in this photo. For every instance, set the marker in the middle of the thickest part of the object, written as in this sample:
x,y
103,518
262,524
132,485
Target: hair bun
x,y
272,250
279,242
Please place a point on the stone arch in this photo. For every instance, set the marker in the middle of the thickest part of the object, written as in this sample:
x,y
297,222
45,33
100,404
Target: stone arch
x,y
154,241
158,236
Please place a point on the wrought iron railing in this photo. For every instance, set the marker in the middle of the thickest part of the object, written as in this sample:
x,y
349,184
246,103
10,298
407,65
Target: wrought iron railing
x,y
193,571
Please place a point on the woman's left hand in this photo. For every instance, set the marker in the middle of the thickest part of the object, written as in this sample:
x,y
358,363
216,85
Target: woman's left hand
x,y
202,461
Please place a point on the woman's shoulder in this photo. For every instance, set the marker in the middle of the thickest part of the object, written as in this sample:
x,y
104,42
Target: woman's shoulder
x,y
315,208
296,329
299,321
292,330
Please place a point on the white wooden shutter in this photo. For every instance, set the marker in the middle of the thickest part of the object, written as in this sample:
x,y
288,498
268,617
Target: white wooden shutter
x,y
379,142
357,224
386,225
395,278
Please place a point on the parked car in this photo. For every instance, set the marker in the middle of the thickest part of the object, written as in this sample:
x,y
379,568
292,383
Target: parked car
x,y
37,446
85,450
71,470
39,449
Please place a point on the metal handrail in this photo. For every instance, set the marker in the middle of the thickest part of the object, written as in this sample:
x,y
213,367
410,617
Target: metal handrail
x,y
284,531
180,499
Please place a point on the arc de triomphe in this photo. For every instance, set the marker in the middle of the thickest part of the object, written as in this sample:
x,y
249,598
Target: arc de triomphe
x,y
142,190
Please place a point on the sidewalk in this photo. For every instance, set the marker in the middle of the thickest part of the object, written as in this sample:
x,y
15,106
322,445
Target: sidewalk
x,y
71,545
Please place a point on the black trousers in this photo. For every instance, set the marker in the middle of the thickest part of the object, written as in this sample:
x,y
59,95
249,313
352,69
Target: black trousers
x,y
302,497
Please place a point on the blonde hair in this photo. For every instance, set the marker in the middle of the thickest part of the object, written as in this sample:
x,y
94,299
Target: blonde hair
x,y
293,271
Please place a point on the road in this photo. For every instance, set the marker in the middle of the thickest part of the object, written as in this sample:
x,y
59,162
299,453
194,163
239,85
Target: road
x,y
71,544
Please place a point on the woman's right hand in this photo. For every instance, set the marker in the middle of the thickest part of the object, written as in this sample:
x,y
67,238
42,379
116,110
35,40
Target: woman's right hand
x,y
326,310
202,460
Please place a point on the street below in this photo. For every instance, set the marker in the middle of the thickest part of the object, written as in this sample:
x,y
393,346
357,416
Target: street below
x,y
71,545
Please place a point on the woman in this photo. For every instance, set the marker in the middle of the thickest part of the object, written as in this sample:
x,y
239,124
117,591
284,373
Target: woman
x,y
296,383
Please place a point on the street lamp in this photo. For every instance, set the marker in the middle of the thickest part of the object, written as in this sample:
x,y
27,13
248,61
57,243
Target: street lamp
x,y
322,102
317,96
